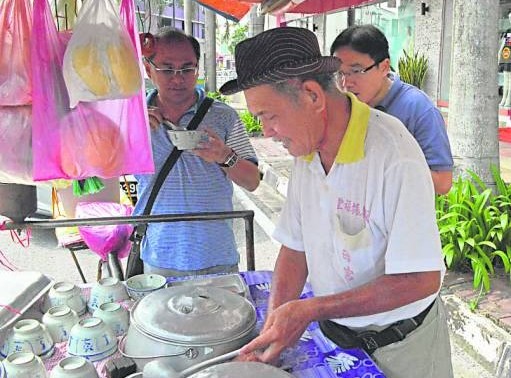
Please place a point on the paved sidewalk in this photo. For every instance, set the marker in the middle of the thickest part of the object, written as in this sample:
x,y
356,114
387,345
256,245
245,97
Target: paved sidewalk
x,y
486,332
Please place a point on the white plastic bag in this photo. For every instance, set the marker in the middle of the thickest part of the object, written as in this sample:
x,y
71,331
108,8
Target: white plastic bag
x,y
100,60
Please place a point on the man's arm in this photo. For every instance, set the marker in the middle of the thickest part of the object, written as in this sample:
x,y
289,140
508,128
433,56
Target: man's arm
x,y
442,181
286,323
244,173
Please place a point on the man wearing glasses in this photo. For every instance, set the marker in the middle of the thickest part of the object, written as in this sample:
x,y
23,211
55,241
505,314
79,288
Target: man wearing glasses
x,y
366,72
201,179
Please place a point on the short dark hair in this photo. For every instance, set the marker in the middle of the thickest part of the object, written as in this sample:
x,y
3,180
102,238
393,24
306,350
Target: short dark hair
x,y
365,39
168,34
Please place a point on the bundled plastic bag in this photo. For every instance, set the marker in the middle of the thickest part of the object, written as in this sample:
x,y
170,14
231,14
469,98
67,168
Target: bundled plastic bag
x,y
105,139
100,62
105,239
15,70
16,145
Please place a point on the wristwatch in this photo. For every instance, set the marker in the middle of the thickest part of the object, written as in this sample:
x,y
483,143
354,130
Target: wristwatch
x,y
230,160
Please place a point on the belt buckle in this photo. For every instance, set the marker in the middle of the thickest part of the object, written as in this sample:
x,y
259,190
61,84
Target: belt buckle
x,y
367,337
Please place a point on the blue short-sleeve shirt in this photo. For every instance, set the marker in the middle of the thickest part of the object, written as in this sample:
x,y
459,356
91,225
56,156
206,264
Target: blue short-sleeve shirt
x,y
193,186
424,121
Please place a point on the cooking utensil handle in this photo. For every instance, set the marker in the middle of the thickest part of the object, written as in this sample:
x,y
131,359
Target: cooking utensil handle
x,y
195,368
122,342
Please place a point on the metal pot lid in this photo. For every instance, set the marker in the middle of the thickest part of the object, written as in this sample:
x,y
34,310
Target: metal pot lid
x,y
242,369
194,315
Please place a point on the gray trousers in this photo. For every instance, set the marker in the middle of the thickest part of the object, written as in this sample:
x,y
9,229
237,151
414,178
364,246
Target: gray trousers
x,y
424,353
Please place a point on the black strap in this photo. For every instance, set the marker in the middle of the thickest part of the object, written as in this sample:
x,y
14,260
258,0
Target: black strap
x,y
372,340
168,165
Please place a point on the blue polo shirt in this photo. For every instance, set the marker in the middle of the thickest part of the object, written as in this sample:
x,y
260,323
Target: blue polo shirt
x,y
193,186
424,121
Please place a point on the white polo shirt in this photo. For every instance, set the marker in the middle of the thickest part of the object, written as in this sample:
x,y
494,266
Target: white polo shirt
x,y
373,214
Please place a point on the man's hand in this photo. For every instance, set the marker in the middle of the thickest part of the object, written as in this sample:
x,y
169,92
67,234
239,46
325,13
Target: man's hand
x,y
155,116
214,149
283,328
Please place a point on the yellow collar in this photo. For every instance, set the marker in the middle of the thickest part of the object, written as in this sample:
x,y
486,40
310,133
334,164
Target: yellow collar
x,y
352,146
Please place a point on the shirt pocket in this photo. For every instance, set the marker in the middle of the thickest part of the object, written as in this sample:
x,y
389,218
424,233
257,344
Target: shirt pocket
x,y
353,253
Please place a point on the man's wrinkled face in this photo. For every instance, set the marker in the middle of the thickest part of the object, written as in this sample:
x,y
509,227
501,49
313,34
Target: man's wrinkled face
x,y
361,75
173,70
288,120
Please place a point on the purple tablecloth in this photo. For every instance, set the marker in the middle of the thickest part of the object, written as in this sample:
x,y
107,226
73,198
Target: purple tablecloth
x,y
314,356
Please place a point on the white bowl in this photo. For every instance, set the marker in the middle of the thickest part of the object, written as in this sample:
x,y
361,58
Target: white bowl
x,y
24,365
65,293
115,316
106,290
74,367
28,335
187,139
59,320
142,284
92,339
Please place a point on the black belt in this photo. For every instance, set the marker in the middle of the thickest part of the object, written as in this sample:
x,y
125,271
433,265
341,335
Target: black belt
x,y
371,340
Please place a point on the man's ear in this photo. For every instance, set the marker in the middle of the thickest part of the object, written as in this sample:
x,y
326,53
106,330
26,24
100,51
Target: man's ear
x,y
315,95
385,65
147,68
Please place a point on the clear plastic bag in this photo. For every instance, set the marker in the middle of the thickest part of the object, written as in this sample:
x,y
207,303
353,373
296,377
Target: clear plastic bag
x,y
105,139
100,62
15,70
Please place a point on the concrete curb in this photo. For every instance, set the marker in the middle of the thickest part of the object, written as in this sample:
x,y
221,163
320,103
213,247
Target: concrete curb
x,y
271,176
486,342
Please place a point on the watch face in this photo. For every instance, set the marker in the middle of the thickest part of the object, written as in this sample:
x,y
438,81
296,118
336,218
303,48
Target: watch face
x,y
233,160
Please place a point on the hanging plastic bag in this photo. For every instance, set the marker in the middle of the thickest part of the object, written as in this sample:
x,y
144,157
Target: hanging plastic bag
x,y
16,145
105,239
100,62
15,70
105,139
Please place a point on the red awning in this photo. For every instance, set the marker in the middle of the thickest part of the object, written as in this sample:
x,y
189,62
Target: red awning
x,y
323,6
235,9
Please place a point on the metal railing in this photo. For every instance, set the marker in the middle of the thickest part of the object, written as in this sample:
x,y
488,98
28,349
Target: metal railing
x,y
246,215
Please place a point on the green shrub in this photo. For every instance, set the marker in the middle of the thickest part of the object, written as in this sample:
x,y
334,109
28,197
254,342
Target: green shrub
x,y
252,124
217,96
475,227
412,68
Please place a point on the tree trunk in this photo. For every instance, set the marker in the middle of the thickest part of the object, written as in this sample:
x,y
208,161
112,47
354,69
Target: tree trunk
x,y
256,23
210,59
473,97
188,14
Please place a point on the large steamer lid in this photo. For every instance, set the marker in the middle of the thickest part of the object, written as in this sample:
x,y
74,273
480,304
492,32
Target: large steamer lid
x,y
194,315
242,369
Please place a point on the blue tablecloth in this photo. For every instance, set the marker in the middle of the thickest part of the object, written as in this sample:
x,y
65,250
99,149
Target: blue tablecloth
x,y
314,356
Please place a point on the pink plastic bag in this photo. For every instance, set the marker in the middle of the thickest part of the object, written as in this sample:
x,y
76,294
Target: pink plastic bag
x,y
16,145
105,239
105,139
15,70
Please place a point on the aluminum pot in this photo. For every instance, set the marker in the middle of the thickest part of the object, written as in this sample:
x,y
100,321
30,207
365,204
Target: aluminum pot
x,y
186,325
241,369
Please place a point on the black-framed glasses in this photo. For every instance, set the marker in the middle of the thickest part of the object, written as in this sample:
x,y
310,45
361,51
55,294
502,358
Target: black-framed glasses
x,y
356,72
186,71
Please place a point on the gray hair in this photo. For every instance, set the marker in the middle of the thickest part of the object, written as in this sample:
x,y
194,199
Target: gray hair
x,y
290,87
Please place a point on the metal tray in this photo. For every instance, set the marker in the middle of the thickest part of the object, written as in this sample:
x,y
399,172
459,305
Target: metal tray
x,y
231,282
20,291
